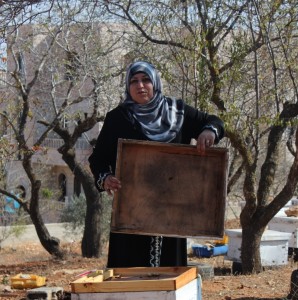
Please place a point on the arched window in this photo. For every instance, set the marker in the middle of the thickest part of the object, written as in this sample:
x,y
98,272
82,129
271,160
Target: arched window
x,y
77,186
72,65
62,186
22,191
3,124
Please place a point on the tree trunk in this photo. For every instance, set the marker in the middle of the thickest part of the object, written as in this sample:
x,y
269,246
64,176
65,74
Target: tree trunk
x,y
50,243
91,242
250,249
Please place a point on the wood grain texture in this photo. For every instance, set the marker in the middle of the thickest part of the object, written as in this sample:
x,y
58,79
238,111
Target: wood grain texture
x,y
190,291
170,190
137,279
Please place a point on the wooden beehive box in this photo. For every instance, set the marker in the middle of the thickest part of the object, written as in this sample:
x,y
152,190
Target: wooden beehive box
x,y
170,190
137,279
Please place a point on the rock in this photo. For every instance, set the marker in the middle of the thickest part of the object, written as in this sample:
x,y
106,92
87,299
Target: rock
x,y
6,289
292,211
205,270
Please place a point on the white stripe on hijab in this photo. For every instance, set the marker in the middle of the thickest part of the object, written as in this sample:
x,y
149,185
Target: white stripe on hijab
x,y
162,117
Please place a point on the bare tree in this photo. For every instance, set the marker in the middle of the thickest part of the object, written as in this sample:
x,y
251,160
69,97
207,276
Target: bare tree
x,y
59,73
232,58
18,125
24,11
221,50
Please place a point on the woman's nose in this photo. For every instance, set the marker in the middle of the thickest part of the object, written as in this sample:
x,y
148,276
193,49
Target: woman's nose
x,y
140,83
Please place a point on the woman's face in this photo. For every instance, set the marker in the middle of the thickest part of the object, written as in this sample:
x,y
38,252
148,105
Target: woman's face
x,y
141,88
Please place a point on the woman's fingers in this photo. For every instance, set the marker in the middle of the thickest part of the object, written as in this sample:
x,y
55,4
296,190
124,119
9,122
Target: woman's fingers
x,y
112,184
205,140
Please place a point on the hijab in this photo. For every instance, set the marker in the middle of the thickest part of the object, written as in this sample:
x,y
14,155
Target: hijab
x,y
162,117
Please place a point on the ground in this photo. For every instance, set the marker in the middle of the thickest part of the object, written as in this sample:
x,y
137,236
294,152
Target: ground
x,y
33,259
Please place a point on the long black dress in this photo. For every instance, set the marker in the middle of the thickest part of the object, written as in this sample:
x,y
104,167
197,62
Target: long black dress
x,y
130,250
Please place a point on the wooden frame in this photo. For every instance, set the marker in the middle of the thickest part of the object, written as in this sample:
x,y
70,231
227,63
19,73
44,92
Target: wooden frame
x,y
137,279
170,190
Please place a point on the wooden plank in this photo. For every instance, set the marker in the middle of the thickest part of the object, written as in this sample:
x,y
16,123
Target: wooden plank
x,y
96,276
162,183
190,291
84,279
137,279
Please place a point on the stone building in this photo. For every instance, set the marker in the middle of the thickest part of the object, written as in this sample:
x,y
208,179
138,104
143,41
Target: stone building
x,y
73,72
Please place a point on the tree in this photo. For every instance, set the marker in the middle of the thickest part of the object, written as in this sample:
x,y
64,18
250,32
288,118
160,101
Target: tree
x,y
59,69
10,10
237,56
18,125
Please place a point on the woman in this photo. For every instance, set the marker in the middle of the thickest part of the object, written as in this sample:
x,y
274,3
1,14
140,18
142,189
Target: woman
x,y
146,114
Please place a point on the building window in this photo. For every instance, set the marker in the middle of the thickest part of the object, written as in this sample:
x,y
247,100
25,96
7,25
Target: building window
x,y
65,122
3,125
72,65
3,78
22,191
77,186
21,64
62,187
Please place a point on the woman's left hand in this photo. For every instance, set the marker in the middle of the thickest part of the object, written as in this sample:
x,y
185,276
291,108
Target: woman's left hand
x,y
205,140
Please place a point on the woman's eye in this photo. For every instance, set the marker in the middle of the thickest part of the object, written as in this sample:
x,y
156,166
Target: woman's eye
x,y
134,81
146,80
143,81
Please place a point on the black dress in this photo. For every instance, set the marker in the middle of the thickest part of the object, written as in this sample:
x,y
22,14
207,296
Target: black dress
x,y
131,250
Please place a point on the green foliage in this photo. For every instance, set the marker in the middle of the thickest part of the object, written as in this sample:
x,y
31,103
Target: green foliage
x,y
11,224
5,280
74,216
106,217
18,228
47,193
5,228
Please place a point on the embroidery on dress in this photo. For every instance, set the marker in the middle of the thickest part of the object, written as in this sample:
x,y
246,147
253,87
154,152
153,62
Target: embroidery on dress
x,y
155,250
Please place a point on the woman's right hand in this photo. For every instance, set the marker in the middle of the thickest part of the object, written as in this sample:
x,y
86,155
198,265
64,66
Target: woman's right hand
x,y
111,184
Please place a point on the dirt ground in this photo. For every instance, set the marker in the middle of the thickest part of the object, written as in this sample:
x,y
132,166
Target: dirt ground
x,y
31,258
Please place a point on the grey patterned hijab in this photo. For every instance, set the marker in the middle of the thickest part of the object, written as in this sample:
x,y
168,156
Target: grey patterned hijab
x,y
161,118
